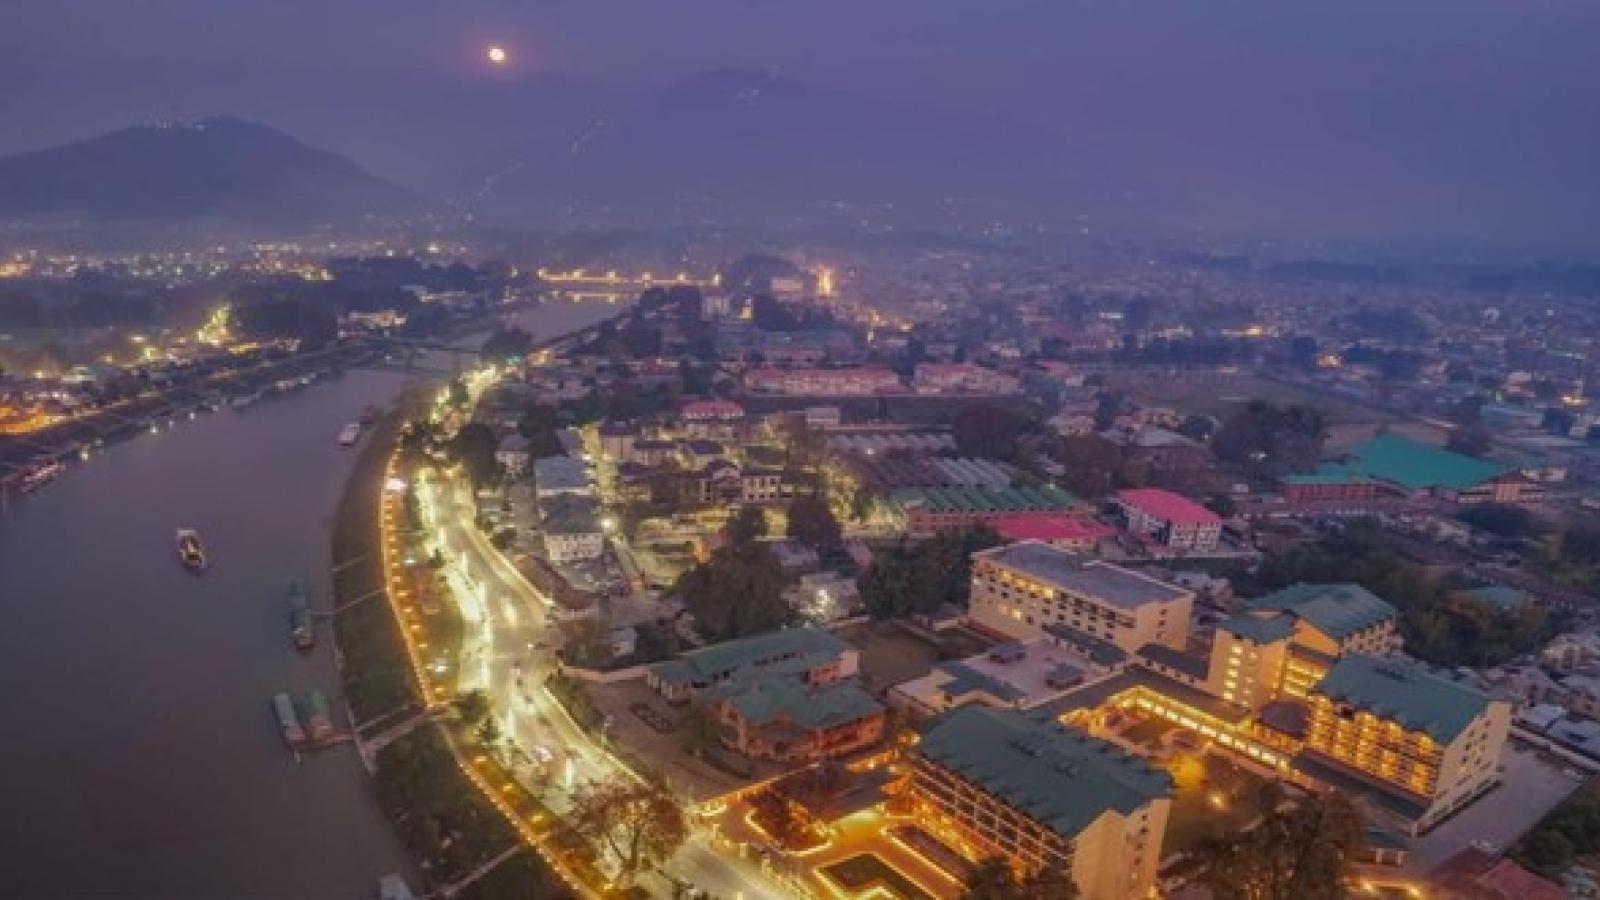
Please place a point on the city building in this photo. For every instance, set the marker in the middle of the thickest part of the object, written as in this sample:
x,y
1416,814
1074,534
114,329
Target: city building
x,y
571,529
840,382
961,378
930,510
1061,530
789,695
1392,465
1021,590
555,475
1040,795
513,455
1421,736
1174,521
1018,675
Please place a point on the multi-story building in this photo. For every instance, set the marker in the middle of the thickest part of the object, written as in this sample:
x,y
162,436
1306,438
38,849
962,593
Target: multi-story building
x,y
1421,736
512,453
1040,795
1022,589
788,695
571,529
961,378
556,475
1174,521
841,382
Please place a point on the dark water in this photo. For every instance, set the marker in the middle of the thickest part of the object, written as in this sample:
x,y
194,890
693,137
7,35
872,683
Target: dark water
x,y
138,754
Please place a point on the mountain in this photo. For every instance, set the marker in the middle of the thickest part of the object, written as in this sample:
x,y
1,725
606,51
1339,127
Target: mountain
x,y
740,142
213,169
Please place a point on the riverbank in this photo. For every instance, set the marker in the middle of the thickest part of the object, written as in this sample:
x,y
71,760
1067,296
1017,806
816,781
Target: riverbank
x,y
452,832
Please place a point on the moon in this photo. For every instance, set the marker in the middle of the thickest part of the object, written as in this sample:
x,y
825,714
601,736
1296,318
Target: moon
x,y
497,55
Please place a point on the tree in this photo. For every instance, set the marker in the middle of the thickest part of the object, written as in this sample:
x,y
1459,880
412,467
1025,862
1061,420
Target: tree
x,y
988,431
776,816
1270,440
508,343
746,526
638,824
1500,519
1303,851
812,523
699,732
1471,440
474,706
994,879
735,593
474,446
910,578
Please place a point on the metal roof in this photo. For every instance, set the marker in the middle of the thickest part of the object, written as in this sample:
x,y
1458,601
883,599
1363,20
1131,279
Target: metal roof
x,y
1404,692
1059,776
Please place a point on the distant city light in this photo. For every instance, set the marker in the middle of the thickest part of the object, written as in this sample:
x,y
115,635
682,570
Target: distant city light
x,y
498,55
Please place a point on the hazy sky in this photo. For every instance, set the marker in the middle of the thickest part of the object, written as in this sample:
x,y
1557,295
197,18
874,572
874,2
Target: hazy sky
x,y
1483,115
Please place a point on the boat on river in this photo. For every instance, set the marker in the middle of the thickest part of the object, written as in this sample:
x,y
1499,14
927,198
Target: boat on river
x,y
40,475
288,720
190,551
349,434
301,626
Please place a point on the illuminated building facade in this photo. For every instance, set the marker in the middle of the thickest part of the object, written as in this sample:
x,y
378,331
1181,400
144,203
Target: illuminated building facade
x,y
1039,794
1020,590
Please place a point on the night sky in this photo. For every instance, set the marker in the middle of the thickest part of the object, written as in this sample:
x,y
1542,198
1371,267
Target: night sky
x,y
1398,115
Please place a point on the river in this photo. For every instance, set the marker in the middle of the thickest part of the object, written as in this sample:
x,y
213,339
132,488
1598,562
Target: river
x,y
138,754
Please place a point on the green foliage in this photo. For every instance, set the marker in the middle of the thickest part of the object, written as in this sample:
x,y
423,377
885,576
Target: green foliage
x,y
508,343
1302,852
812,523
474,706
993,879
1571,830
1501,519
737,592
988,431
473,447
1270,440
1438,627
746,526
539,425
910,578
638,824
1472,440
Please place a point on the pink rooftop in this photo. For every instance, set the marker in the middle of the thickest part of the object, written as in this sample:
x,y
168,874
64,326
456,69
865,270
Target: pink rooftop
x,y
1168,506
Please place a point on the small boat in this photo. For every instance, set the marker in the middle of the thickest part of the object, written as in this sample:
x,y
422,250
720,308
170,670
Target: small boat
x,y
300,622
190,551
319,720
288,720
41,475
349,434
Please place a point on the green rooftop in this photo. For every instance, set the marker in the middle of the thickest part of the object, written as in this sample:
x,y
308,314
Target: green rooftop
x,y
1337,610
1260,629
790,700
1412,465
759,651
1405,692
1057,775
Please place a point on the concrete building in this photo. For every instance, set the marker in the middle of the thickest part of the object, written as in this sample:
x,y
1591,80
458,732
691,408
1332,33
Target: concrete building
x,y
556,475
1172,520
961,378
1022,589
571,529
1041,795
1396,466
1425,738
512,453
852,381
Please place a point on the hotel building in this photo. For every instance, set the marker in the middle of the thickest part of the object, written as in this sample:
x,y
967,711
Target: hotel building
x,y
1021,590
989,782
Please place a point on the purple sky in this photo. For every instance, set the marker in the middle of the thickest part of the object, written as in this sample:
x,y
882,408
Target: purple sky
x,y
1479,113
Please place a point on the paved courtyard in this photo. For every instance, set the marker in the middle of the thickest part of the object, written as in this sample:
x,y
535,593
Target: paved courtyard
x,y
1533,785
